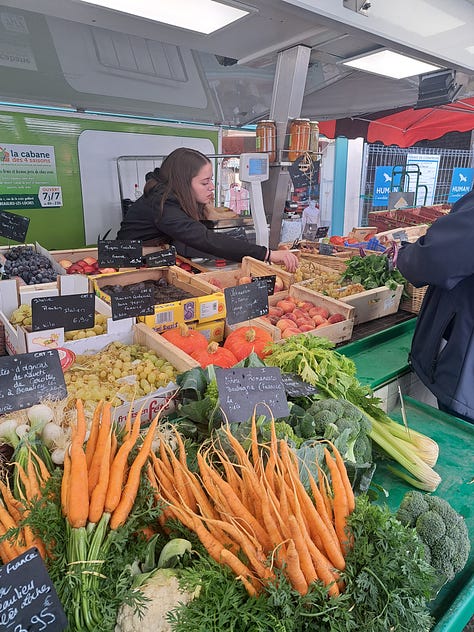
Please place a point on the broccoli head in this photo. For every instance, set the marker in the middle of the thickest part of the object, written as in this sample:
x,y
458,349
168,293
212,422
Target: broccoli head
x,y
441,529
341,422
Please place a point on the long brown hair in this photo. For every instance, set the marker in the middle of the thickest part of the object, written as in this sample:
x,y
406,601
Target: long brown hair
x,y
174,179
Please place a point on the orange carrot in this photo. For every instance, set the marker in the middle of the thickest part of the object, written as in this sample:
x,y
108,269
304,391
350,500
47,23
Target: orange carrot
x,y
43,474
94,431
293,569
306,563
32,478
340,504
117,469
65,482
97,499
344,477
101,442
323,566
14,506
129,492
77,496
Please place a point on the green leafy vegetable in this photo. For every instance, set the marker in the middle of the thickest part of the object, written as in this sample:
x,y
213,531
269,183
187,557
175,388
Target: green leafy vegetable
x,y
373,271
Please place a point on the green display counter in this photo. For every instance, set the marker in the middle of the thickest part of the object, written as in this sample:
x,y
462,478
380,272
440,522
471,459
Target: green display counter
x,y
381,358
454,605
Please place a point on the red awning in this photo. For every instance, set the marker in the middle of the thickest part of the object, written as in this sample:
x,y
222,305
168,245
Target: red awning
x,y
405,127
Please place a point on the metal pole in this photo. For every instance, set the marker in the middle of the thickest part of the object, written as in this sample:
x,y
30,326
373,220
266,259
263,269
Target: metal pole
x,y
287,100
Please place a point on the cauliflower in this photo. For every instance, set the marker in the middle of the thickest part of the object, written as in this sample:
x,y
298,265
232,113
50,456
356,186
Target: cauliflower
x,y
441,529
162,594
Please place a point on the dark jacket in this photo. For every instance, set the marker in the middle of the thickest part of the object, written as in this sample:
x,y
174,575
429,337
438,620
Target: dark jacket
x,y
144,220
442,352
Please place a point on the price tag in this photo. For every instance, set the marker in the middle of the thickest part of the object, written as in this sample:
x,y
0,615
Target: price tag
x,y
73,311
296,387
132,304
50,196
247,301
119,253
28,599
325,249
269,280
243,389
322,232
166,257
29,378
400,235
13,226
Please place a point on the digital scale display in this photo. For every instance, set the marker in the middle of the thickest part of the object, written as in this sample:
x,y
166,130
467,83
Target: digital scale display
x,y
257,167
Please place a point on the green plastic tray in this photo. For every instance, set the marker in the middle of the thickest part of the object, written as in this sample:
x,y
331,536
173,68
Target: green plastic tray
x,y
454,605
381,357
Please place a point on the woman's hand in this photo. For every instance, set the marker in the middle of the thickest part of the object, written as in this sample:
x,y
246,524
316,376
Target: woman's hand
x,y
285,257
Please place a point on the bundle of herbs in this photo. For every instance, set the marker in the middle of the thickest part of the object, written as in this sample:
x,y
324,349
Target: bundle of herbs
x,y
373,271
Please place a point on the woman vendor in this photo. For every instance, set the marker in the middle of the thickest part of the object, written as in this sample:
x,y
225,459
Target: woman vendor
x,y
171,210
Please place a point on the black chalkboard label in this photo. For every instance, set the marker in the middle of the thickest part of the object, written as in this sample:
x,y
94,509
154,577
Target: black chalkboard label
x,y
325,249
247,301
304,172
269,280
28,599
296,387
28,378
400,235
241,390
119,253
13,226
131,304
72,311
166,257
322,232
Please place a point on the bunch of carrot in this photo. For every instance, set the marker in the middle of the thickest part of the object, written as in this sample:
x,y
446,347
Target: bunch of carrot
x,y
99,486
256,505
15,536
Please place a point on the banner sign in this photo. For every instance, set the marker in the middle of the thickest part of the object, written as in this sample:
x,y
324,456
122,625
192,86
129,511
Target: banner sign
x,y
429,166
28,177
384,183
461,183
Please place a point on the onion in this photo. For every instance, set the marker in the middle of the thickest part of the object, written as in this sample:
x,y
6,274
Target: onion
x,y
53,435
39,415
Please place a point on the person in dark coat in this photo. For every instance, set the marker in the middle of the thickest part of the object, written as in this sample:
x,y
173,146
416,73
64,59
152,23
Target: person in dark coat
x,y
442,352
171,210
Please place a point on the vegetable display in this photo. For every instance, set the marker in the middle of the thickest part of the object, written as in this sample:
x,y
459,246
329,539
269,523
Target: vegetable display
x,y
372,271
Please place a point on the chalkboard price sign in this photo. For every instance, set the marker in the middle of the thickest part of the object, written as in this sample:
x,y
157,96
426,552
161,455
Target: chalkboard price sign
x,y
72,311
322,232
132,304
13,226
166,257
296,387
246,301
269,280
28,599
28,378
325,249
243,389
119,253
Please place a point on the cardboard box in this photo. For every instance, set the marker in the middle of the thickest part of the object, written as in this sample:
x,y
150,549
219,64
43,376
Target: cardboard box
x,y
19,340
337,332
162,397
205,304
214,331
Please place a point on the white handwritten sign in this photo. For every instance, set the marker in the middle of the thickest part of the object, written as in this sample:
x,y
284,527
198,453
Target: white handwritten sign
x,y
28,599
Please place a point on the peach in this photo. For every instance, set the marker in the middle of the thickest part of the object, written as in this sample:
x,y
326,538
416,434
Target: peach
x,y
318,319
323,324
275,311
65,263
279,285
286,305
91,261
322,311
305,305
244,279
284,323
304,328
336,318
290,331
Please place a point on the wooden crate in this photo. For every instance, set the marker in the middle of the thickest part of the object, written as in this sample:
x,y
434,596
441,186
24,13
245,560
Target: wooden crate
x,y
409,233
413,302
370,304
337,332
335,262
250,267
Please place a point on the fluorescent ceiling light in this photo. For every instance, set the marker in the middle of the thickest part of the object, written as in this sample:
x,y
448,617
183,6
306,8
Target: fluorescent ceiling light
x,y
204,16
390,64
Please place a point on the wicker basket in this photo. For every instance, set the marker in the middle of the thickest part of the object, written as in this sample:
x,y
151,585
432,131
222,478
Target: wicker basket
x,y
415,298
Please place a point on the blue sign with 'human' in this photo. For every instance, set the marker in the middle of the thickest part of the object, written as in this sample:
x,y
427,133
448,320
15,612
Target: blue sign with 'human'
x,y
383,184
461,183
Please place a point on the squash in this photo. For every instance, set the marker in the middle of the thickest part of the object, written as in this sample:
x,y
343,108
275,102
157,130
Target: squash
x,y
244,340
186,339
214,354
